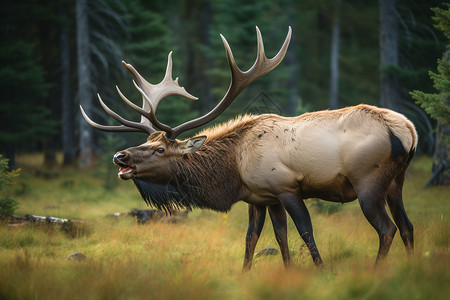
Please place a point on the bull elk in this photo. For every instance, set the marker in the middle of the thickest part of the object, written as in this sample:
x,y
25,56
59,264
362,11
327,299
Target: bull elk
x,y
269,161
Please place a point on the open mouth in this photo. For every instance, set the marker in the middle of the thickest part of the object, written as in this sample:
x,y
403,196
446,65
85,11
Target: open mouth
x,y
126,172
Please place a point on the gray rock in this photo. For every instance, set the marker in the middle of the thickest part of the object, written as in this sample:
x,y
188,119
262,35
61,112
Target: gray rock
x,y
267,252
78,256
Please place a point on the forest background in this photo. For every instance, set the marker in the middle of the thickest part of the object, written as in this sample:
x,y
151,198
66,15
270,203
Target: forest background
x,y
56,56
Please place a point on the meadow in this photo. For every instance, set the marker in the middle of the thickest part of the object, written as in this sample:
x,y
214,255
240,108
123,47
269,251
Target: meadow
x,y
201,256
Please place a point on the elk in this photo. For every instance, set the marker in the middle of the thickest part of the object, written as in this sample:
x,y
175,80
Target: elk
x,y
269,161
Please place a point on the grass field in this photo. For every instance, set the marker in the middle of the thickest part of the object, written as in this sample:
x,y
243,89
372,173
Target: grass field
x,y
201,256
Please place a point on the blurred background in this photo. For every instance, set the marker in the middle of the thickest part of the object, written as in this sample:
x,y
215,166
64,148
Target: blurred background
x,y
57,55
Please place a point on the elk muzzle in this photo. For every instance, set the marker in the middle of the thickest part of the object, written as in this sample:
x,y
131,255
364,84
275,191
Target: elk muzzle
x,y
125,172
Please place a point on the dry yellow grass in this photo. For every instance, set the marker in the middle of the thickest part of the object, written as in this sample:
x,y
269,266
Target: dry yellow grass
x,y
201,257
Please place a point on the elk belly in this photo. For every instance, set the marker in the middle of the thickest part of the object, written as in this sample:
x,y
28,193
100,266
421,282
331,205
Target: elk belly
x,y
339,189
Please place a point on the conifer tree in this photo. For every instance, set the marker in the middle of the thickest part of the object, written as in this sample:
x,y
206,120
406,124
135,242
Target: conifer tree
x,y
147,50
437,105
101,34
22,117
7,204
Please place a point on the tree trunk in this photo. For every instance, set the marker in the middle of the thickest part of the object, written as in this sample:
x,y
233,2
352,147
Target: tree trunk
x,y
205,25
389,54
294,67
334,61
84,82
66,92
441,160
189,40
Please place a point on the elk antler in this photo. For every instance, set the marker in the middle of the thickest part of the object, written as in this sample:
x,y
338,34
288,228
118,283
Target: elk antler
x,y
239,80
153,94
128,126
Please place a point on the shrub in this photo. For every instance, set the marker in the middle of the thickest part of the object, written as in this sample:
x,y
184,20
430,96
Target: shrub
x,y
7,204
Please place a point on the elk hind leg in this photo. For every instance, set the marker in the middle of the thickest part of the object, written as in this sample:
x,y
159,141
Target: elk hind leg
x,y
395,203
256,218
372,202
278,216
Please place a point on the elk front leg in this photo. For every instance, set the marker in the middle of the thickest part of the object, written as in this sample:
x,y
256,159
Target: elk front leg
x,y
256,217
296,208
278,216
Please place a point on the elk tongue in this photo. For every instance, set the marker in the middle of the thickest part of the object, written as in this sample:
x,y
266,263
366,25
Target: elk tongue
x,y
124,170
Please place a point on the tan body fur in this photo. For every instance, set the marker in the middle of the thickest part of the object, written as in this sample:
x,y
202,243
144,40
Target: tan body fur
x,y
325,154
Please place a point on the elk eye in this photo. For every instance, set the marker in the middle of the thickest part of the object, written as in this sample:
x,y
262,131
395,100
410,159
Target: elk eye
x,y
160,150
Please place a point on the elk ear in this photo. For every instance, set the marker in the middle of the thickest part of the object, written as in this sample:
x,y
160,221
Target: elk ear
x,y
192,144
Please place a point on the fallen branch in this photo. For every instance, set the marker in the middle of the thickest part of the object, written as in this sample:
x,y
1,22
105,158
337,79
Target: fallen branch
x,y
34,218
144,215
73,228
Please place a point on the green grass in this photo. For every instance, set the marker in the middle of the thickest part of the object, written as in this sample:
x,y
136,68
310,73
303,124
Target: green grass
x,y
201,257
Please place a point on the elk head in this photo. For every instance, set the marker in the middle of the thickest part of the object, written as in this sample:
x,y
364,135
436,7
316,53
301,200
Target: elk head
x,y
150,160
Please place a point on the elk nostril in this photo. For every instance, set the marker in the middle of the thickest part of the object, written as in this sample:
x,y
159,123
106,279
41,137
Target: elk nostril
x,y
119,156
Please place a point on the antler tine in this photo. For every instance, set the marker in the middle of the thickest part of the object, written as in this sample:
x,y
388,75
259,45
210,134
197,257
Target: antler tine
x,y
264,65
239,79
142,126
153,94
261,54
119,128
146,117
151,111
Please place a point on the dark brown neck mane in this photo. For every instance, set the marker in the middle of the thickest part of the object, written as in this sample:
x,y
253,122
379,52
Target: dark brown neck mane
x,y
208,178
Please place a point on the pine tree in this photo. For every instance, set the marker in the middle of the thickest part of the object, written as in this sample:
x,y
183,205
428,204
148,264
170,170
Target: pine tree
x,y
334,60
7,204
85,90
147,50
237,20
437,105
389,54
65,91
22,117
101,33
23,87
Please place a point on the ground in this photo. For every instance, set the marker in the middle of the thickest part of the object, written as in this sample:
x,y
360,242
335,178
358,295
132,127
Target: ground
x,y
201,257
